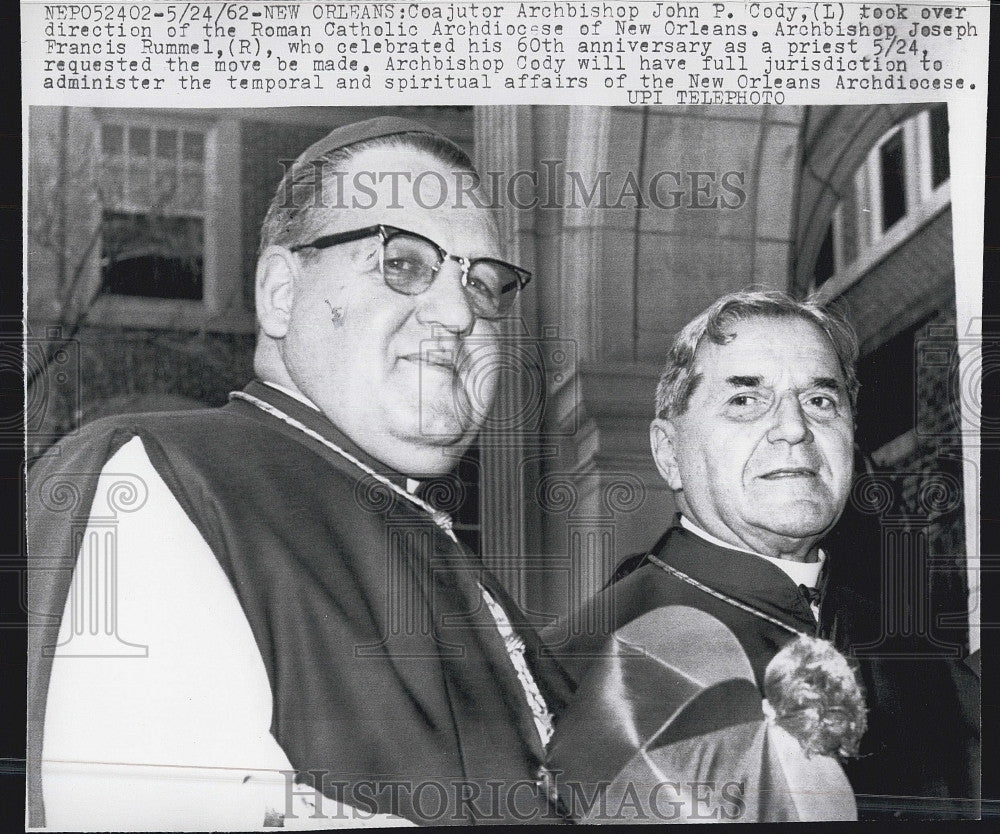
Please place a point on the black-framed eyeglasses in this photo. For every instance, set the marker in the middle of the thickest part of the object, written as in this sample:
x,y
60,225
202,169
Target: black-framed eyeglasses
x,y
410,262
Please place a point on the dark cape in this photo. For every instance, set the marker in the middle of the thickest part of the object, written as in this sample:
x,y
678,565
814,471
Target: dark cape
x,y
383,662
923,726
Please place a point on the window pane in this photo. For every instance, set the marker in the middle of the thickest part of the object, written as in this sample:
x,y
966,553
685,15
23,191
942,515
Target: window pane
x,y
885,403
112,187
892,163
138,182
112,139
166,144
165,187
940,164
190,195
152,256
194,145
138,141
824,268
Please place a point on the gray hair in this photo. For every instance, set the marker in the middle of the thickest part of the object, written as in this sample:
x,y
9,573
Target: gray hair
x,y
678,379
297,212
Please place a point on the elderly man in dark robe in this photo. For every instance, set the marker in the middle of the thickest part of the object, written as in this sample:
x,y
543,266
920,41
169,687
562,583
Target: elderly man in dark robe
x,y
754,433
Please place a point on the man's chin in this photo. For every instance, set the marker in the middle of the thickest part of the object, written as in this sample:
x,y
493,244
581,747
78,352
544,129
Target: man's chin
x,y
801,518
435,455
447,405
798,528
444,431
446,420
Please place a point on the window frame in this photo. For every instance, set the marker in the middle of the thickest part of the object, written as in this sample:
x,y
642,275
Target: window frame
x,y
923,203
221,307
925,172
837,233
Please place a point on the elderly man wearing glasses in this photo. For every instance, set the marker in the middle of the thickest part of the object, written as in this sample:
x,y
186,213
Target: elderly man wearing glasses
x,y
319,649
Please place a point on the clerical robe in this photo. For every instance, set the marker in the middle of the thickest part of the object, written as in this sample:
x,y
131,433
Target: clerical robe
x,y
344,642
915,758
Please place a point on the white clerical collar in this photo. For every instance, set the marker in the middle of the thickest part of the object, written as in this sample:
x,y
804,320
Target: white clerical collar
x,y
295,395
801,573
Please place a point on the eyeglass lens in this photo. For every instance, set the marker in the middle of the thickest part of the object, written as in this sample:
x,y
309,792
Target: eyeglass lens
x,y
410,264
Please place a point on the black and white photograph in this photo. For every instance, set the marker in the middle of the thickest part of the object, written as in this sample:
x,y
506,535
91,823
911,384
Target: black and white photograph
x,y
490,464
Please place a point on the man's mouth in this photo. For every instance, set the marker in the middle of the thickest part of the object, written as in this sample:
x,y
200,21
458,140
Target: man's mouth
x,y
789,472
445,360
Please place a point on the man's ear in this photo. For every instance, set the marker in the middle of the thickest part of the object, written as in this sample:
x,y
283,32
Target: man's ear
x,y
277,272
662,434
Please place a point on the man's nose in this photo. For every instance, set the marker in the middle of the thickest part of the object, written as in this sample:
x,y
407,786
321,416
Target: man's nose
x,y
445,303
790,422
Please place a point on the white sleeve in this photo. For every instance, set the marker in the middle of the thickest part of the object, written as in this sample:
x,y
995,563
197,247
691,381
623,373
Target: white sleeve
x,y
159,706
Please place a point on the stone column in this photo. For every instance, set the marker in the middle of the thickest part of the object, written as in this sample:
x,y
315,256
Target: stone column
x,y
503,143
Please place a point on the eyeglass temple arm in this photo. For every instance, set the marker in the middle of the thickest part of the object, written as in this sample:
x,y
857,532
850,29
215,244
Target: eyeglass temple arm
x,y
339,237
523,279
